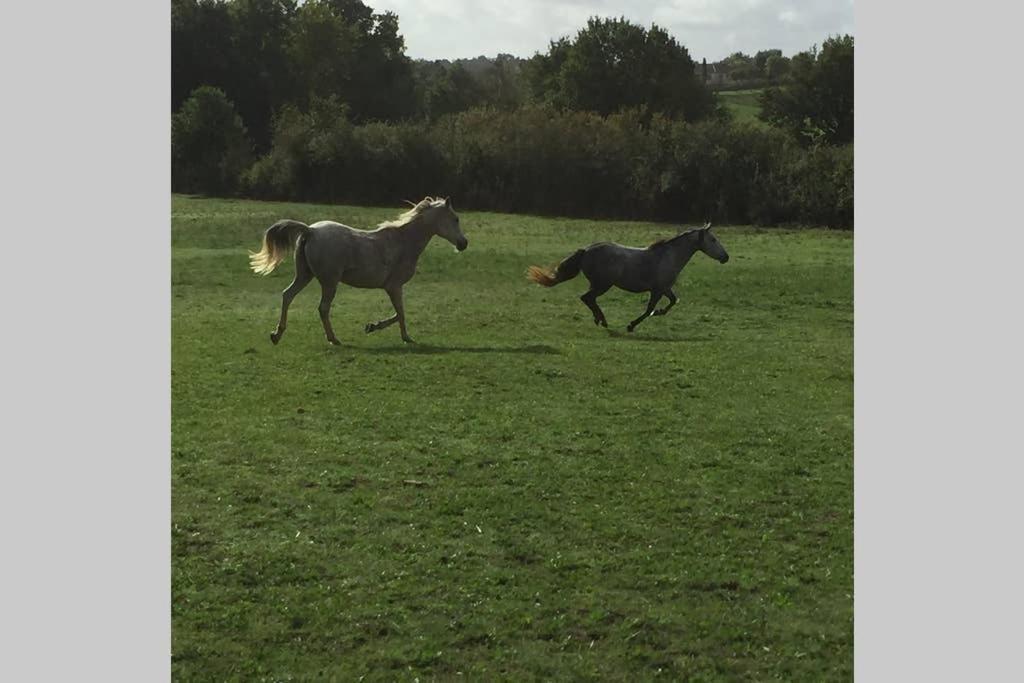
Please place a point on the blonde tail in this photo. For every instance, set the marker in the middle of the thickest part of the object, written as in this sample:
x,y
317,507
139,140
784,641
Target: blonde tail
x,y
566,270
542,276
278,240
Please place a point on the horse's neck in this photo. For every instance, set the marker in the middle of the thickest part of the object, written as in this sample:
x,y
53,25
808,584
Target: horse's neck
x,y
414,240
682,251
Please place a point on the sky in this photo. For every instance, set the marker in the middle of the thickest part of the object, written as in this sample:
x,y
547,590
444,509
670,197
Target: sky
x,y
711,29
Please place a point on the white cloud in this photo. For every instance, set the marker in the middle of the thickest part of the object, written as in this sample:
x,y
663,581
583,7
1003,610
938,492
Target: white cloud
x,y
789,16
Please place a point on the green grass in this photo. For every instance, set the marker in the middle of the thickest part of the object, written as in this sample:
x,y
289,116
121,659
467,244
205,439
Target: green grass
x,y
744,105
590,505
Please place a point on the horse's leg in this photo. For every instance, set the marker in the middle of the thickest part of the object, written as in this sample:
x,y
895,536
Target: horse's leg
x,y
302,277
396,300
327,291
590,299
671,302
655,296
386,322
381,324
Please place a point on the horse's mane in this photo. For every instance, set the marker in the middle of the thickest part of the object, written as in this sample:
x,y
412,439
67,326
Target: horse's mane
x,y
667,240
410,215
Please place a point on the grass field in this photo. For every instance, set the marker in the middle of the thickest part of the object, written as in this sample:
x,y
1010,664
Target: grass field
x,y
744,105
585,504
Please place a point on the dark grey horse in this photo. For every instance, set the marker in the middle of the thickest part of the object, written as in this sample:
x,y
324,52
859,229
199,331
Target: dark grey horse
x,y
653,269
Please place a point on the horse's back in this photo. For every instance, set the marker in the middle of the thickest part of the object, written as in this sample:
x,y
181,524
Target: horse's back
x,y
616,264
613,252
335,249
335,228
330,238
614,248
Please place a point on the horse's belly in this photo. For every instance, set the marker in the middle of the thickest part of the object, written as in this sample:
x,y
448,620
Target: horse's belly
x,y
364,264
634,286
364,277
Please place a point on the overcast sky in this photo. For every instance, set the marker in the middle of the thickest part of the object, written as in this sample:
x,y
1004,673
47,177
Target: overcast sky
x,y
712,29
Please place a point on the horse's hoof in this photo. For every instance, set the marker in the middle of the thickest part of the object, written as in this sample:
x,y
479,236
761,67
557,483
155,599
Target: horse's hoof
x,y
408,340
274,337
334,342
604,324
629,328
369,328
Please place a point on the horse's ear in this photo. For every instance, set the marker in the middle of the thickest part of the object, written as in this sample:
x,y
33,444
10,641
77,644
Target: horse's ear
x,y
448,201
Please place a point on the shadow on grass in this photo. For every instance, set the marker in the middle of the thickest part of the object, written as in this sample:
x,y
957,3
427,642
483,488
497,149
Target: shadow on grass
x,y
641,337
427,349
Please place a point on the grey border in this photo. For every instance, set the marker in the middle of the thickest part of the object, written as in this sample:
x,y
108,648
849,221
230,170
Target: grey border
x,y
937,522
85,488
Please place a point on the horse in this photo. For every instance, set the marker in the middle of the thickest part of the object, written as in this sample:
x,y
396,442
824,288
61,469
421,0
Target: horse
x,y
384,258
653,269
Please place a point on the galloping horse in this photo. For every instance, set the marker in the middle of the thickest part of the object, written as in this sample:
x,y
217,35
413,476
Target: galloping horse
x,y
384,258
653,269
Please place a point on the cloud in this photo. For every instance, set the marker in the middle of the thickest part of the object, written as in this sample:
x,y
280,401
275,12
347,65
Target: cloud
x,y
789,16
439,29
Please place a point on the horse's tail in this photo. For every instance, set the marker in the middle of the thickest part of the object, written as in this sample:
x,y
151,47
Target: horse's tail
x,y
278,240
566,270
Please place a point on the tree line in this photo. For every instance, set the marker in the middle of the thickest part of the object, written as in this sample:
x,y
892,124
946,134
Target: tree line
x,y
319,102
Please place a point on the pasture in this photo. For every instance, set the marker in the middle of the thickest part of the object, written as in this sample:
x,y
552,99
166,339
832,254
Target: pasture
x,y
744,105
521,495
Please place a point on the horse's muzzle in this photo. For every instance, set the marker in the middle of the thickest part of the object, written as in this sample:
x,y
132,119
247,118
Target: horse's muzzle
x,y
724,259
461,246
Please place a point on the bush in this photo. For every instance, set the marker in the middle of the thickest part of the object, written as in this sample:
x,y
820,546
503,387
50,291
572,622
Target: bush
x,y
537,159
210,148
820,185
321,156
816,104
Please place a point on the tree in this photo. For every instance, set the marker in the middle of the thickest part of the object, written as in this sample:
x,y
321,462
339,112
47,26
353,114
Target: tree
x,y
210,147
445,87
451,89
201,47
383,81
237,46
776,68
762,57
613,65
322,51
740,67
817,102
502,83
341,47
541,71
262,83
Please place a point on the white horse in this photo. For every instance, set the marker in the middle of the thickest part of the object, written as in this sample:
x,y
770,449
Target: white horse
x,y
384,258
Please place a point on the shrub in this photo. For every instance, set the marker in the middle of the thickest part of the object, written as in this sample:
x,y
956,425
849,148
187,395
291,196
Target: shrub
x,y
538,159
210,147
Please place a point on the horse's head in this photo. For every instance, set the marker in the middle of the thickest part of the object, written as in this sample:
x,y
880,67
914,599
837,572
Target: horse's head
x,y
710,245
446,224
